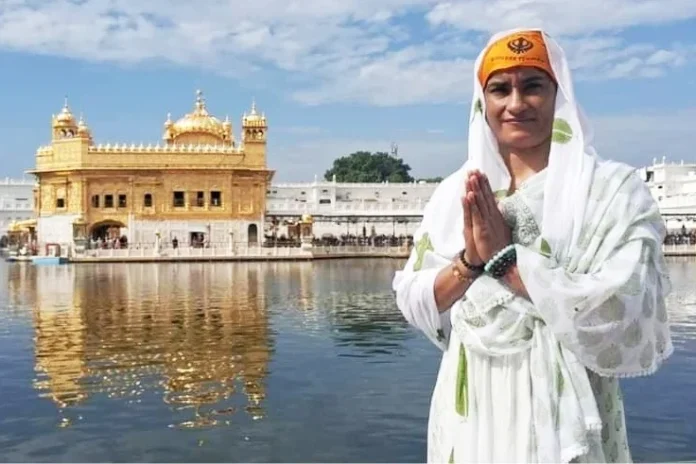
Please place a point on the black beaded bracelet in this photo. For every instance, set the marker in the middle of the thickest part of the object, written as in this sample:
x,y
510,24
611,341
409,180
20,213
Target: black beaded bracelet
x,y
472,267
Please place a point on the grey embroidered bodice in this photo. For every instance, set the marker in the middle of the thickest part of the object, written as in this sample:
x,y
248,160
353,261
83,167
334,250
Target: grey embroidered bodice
x,y
523,210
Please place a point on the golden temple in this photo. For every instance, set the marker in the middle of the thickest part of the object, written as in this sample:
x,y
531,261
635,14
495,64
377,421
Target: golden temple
x,y
199,184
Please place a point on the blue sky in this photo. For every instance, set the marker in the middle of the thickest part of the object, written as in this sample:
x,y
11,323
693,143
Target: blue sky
x,y
336,76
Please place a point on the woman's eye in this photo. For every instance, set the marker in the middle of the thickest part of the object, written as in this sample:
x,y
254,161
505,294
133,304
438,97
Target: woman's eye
x,y
498,90
534,86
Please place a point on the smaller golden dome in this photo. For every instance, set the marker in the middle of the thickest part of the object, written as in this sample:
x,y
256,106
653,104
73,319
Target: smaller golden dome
x,y
307,218
65,117
82,128
254,118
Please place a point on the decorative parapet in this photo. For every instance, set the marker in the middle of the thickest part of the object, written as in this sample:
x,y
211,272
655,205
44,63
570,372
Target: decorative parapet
x,y
168,148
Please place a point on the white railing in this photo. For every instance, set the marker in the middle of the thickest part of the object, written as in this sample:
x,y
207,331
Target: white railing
x,y
353,208
351,185
21,182
149,251
359,250
680,249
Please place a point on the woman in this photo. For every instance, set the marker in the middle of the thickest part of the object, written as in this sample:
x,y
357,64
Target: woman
x,y
538,271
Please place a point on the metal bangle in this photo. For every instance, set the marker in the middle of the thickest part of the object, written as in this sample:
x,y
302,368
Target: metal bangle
x,y
460,276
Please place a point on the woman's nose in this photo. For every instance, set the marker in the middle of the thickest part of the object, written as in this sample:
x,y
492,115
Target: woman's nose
x,y
516,101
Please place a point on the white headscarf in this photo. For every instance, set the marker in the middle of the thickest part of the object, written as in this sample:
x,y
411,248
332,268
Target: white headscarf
x,y
570,167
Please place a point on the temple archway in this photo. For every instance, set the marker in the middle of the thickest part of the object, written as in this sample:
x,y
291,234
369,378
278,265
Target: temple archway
x,y
106,230
253,234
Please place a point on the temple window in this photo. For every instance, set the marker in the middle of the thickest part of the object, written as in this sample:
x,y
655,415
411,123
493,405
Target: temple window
x,y
179,199
60,202
108,201
200,199
216,198
95,201
122,203
147,200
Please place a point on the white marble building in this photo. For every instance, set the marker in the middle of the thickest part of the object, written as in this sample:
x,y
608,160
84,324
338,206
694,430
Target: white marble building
x,y
16,201
673,185
347,208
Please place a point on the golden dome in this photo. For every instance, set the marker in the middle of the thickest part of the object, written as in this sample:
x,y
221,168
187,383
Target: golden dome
x,y
307,218
65,117
198,122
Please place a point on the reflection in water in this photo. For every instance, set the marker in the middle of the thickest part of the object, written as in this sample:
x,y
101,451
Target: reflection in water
x,y
346,300
195,334
133,348
682,300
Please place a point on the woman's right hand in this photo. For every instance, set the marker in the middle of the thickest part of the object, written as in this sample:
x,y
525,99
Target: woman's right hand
x,y
471,255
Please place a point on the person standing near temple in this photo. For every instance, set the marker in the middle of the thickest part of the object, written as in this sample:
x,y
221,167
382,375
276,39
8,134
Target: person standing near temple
x,y
538,270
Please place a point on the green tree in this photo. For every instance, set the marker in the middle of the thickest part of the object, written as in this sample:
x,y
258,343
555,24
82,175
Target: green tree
x,y
364,166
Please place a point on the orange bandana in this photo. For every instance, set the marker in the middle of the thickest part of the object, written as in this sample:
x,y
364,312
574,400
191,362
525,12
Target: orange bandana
x,y
519,49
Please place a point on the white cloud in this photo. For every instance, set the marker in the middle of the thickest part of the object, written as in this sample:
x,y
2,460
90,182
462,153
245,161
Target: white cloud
x,y
343,51
560,17
633,139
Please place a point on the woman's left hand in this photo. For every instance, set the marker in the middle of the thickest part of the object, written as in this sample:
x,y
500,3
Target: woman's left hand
x,y
491,232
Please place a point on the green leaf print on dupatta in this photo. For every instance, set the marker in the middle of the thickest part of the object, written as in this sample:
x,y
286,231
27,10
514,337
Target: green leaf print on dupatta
x,y
461,400
560,381
545,248
562,132
422,246
500,194
478,106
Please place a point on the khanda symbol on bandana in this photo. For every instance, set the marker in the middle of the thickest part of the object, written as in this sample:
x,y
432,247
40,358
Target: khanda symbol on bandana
x,y
520,45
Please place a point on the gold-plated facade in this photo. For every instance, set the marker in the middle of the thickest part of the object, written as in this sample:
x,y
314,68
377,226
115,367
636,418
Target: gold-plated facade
x,y
200,173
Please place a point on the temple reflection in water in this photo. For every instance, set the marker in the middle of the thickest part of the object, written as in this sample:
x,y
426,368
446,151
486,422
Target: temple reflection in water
x,y
195,334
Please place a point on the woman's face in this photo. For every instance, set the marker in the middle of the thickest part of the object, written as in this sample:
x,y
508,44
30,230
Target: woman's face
x,y
520,105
